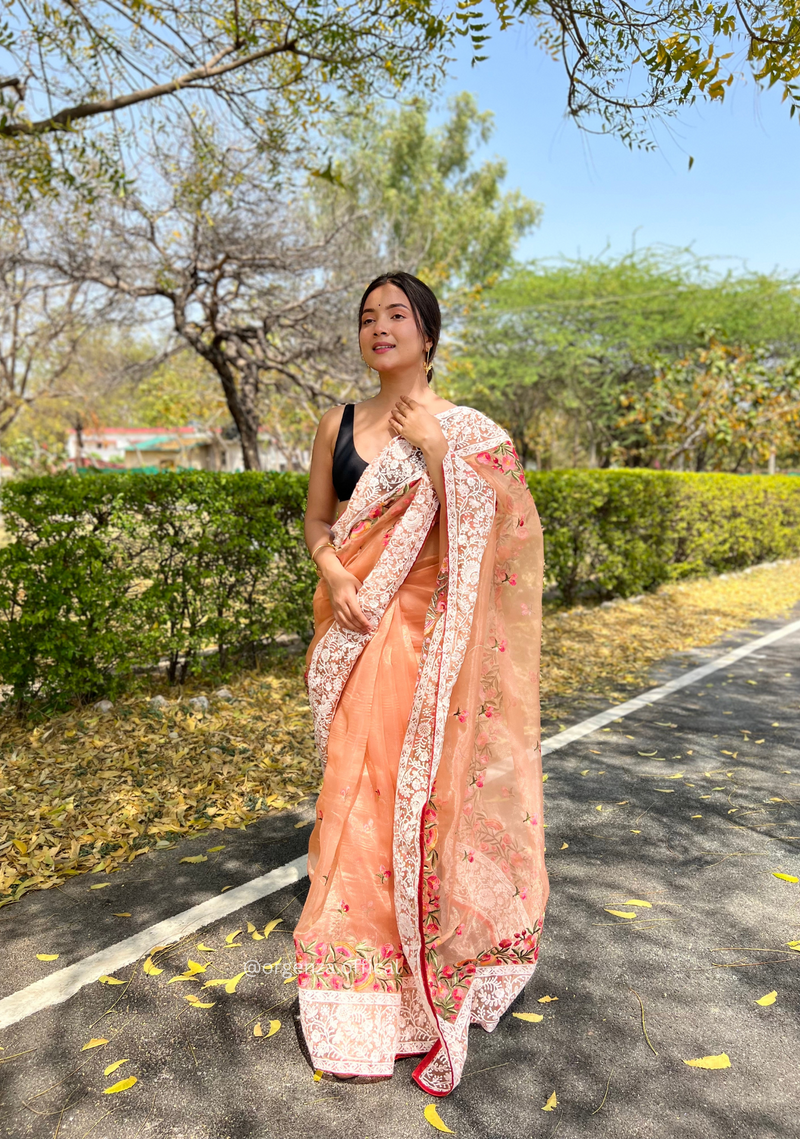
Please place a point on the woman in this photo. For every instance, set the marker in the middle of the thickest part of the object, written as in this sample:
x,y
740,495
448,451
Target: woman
x,y
428,882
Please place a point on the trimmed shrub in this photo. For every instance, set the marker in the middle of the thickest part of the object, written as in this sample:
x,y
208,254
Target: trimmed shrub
x,y
117,571
619,533
114,572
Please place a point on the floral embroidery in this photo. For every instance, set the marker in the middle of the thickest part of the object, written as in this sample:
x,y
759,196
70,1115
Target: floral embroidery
x,y
505,459
350,965
383,874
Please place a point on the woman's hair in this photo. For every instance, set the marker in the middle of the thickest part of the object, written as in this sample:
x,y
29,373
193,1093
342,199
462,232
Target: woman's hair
x,y
424,305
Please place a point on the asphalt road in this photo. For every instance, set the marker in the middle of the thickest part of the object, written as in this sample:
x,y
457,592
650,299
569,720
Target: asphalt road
x,y
698,798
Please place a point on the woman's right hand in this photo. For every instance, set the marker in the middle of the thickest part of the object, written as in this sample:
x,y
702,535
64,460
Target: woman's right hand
x,y
343,590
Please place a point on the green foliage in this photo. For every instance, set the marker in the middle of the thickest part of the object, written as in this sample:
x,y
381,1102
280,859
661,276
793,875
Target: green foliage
x,y
112,572
109,573
554,346
433,210
620,533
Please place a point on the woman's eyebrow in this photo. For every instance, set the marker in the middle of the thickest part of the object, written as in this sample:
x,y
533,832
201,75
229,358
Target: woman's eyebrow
x,y
398,304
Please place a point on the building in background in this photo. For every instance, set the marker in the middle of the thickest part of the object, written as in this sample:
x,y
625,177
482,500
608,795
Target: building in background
x,y
151,449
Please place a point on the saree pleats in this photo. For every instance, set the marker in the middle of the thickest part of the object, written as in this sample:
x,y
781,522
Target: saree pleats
x,y
428,884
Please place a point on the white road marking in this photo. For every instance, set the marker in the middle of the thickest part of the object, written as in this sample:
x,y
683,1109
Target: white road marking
x,y
64,983
60,986
586,727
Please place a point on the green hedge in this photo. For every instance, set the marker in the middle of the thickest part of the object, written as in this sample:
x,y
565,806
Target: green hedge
x,y
620,533
117,571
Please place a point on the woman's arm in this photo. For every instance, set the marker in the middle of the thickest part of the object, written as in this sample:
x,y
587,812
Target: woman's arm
x,y
320,515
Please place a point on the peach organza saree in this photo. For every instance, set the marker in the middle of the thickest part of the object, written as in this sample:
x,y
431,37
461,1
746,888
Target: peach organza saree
x,y
428,881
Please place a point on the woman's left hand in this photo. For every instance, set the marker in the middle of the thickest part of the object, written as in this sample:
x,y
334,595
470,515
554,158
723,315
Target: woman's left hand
x,y
409,419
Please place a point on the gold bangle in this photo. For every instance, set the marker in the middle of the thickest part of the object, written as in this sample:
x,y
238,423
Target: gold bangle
x,y
327,542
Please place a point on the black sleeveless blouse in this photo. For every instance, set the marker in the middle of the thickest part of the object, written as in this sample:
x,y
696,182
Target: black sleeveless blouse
x,y
348,466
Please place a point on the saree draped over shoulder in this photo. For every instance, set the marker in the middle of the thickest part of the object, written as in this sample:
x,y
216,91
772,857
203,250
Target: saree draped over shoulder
x,y
428,880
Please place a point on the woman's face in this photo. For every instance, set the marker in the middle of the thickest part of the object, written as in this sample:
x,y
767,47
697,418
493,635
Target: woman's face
x,y
389,337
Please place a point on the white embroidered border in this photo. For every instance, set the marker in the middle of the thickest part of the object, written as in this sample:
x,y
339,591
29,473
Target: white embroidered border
x,y
422,747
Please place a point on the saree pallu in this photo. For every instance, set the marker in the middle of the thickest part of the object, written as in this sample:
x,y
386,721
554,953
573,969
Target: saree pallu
x,y
428,880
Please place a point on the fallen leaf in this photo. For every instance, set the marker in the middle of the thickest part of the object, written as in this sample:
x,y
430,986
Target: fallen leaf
x,y
205,948
47,956
638,902
95,1042
302,823
647,755
533,1017
274,1026
785,877
214,849
551,1104
564,845
620,913
113,1067
544,1000
258,1030
433,1117
122,915
230,983
121,1086
99,885
720,1061
768,998
150,968
250,927
268,928
194,970
202,1004
229,940
289,980
586,772
666,790
697,816
106,980
195,858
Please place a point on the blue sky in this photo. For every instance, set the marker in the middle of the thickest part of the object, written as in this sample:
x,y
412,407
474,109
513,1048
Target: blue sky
x,y
739,202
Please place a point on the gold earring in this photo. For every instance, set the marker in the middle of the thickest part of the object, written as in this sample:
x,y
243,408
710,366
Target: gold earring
x,y
428,364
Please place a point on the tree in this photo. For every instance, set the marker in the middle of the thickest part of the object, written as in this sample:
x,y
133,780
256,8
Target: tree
x,y
718,408
44,324
263,283
555,345
432,211
85,85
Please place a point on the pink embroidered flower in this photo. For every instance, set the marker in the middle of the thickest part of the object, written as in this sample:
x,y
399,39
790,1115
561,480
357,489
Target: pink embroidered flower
x,y
387,950
504,791
375,512
345,952
505,943
469,855
512,580
484,847
302,980
468,969
525,609
462,716
344,792
479,781
376,988
503,645
431,926
523,894
482,739
321,949
441,604
343,907
448,971
336,982
484,457
459,930
467,809
494,824
459,994
505,840
516,858
433,883
508,462
488,712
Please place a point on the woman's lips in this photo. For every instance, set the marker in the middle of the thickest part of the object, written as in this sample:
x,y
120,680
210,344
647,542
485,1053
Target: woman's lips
x,y
381,348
